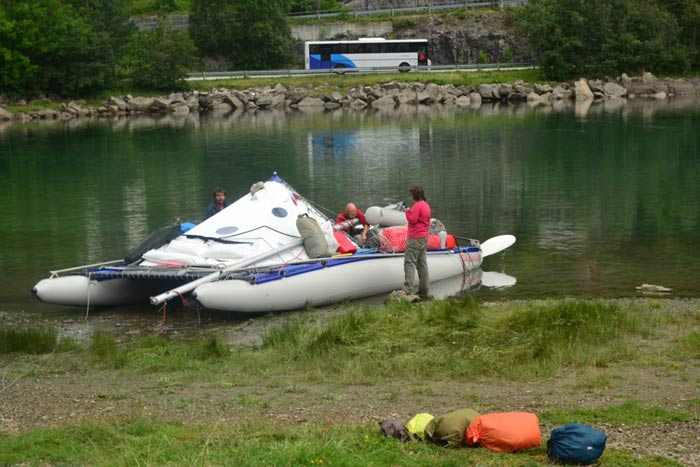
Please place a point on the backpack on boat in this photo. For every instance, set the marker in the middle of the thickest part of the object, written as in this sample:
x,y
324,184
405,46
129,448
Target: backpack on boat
x,y
505,432
450,429
315,242
576,443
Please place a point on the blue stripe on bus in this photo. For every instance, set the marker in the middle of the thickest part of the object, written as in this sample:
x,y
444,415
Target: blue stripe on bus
x,y
316,63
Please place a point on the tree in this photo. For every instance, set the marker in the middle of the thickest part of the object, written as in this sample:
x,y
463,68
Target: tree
x,y
598,37
160,59
249,34
15,67
61,47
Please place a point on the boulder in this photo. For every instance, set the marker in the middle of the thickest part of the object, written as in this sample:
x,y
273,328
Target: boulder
x,y
234,101
176,98
241,96
612,89
159,105
310,102
330,105
660,95
533,97
453,91
270,101
640,87
464,101
582,91
335,97
449,99
560,92
279,89
140,104
406,97
504,91
681,87
357,94
424,98
384,102
118,102
180,109
596,85
47,114
648,77
5,114
193,103
541,88
358,104
392,85
475,98
488,92
434,91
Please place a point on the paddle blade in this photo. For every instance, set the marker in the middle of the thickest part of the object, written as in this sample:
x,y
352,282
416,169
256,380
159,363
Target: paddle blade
x,y
495,244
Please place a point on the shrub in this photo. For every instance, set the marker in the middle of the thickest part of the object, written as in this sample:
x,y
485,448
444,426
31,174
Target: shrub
x,y
160,59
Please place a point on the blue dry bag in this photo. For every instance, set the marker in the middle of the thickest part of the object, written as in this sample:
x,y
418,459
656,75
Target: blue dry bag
x,y
576,444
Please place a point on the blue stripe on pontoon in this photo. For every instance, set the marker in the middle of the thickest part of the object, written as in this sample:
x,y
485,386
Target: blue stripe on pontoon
x,y
296,269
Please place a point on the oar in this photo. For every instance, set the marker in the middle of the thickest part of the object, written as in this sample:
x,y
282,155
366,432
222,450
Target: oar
x,y
496,244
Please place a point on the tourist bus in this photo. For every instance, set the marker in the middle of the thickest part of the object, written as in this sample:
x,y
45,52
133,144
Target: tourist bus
x,y
368,52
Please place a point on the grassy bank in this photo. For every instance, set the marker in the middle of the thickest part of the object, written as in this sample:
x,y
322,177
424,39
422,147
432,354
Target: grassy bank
x,y
313,390
344,82
153,443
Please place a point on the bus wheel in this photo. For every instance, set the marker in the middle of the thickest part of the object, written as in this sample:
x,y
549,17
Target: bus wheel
x,y
404,67
339,68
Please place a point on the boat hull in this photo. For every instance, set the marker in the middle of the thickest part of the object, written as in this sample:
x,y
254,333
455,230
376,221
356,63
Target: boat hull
x,y
77,290
347,281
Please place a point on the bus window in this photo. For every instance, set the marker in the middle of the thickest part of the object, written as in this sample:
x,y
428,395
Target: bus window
x,y
326,53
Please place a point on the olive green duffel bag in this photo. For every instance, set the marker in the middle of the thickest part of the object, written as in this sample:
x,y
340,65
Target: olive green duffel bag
x,y
449,429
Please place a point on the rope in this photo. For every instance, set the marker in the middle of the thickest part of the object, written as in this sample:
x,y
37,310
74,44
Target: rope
x,y
87,304
164,310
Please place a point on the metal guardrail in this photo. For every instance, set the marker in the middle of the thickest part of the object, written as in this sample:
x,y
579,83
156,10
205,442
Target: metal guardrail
x,y
408,9
215,75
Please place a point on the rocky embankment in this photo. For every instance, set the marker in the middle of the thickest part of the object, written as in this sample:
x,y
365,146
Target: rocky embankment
x,y
380,96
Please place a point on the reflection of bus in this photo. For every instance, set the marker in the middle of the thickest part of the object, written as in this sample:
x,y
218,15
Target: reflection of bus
x,y
367,52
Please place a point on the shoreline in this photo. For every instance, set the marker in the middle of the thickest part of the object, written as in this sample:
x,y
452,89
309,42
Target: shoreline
x,y
631,369
382,95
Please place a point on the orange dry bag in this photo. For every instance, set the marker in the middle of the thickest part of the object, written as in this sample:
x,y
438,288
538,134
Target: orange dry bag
x,y
345,245
505,432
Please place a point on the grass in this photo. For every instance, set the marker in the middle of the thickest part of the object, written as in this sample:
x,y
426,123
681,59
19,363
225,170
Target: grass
x,y
150,442
458,338
157,354
33,341
443,340
628,413
689,345
343,82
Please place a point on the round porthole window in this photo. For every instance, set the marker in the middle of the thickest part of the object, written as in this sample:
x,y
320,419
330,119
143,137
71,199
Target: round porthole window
x,y
226,230
279,212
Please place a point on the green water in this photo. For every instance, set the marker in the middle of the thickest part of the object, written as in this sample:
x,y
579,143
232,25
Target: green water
x,y
600,203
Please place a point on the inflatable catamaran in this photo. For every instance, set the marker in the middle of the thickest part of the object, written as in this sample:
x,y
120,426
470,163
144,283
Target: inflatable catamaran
x,y
251,257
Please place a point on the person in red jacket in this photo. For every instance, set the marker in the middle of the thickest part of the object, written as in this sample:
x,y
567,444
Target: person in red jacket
x,y
355,216
415,258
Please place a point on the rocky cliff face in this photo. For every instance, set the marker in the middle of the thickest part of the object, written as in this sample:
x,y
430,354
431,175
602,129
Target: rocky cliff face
x,y
486,36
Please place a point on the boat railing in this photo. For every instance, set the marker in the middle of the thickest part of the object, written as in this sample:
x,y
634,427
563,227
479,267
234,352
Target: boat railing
x,y
58,272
